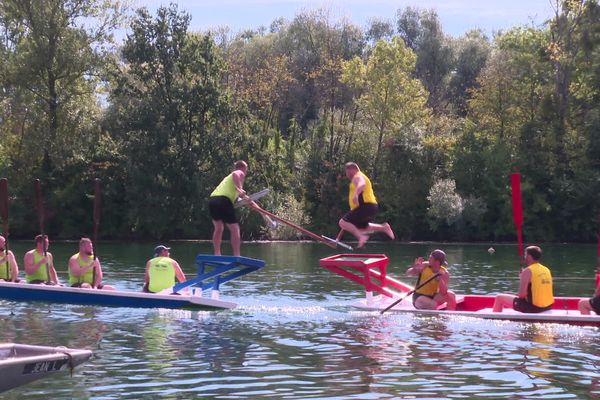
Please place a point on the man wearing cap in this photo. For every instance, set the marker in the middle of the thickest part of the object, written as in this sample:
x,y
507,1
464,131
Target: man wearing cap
x,y
161,271
432,294
85,270
9,270
535,287
363,207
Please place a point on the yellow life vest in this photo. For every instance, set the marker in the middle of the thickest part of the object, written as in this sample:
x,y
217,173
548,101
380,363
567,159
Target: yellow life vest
x,y
5,266
540,292
161,274
88,277
226,188
42,272
366,196
431,288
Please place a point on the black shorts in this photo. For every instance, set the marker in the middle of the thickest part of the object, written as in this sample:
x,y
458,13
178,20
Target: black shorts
x,y
79,285
524,306
595,303
416,295
221,209
361,215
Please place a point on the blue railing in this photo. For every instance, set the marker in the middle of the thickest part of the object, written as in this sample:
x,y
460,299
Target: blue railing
x,y
214,271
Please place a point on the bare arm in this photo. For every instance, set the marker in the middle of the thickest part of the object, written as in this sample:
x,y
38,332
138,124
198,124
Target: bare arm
x,y
444,280
418,266
98,275
238,181
14,268
525,279
51,270
146,276
178,272
28,263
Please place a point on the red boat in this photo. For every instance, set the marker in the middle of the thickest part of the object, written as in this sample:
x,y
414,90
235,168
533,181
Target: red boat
x,y
370,271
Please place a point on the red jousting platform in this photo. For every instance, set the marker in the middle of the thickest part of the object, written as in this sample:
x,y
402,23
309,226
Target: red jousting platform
x,y
368,270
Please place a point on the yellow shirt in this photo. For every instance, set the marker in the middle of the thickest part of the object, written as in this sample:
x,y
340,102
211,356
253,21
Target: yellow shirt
x,y
367,195
432,287
540,288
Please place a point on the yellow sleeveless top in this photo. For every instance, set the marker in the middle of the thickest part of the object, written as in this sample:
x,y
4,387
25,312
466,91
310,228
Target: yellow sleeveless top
x,y
367,195
540,289
226,188
432,287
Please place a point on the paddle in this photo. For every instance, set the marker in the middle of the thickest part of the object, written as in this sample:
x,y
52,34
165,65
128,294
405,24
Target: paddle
x,y
40,212
294,226
517,205
409,293
252,197
4,214
97,202
598,254
338,243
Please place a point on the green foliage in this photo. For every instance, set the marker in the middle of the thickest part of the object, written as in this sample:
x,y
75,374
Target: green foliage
x,y
438,123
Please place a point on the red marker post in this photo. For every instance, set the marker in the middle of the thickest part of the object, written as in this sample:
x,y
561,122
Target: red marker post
x,y
517,204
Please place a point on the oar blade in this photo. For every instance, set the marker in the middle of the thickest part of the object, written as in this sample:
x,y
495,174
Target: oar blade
x,y
515,183
39,203
252,197
4,200
97,202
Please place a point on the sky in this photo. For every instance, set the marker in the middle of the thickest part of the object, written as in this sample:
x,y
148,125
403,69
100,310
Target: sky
x,y
456,16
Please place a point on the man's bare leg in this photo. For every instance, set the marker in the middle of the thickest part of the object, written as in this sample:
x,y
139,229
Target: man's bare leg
x,y
234,232
358,234
217,237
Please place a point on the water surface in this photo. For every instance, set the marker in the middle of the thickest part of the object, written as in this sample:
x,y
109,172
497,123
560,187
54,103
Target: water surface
x,y
294,335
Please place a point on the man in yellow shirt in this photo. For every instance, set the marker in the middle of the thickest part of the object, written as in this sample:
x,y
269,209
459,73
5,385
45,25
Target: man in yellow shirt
x,y
434,293
161,271
85,270
363,207
39,263
535,287
222,212
9,270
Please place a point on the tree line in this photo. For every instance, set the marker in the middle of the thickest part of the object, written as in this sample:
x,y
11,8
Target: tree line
x,y
438,122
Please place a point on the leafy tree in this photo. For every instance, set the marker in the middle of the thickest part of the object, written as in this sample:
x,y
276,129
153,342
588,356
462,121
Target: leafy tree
x,y
53,60
173,122
390,100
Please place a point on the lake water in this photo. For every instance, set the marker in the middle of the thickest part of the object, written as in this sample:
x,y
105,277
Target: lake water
x,y
294,336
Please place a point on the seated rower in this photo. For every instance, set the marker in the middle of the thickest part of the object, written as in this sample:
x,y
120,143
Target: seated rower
x,y
85,270
535,287
9,270
39,263
434,293
586,306
161,271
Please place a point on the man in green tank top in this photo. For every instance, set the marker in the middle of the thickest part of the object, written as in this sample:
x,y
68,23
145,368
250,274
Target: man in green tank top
x,y
222,212
9,270
39,263
161,271
85,270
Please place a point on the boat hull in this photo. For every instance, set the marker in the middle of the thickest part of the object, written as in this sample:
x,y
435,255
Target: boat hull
x,y
21,363
477,306
110,298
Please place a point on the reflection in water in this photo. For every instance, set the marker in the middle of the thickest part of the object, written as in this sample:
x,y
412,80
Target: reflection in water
x,y
294,337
